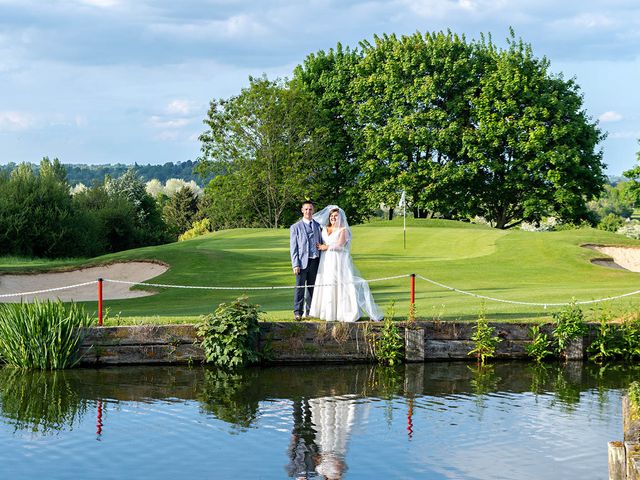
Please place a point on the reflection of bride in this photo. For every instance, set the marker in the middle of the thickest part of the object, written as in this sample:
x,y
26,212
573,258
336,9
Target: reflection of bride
x,y
341,294
333,418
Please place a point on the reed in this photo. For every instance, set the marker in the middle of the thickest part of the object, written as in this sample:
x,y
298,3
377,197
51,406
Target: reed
x,y
41,335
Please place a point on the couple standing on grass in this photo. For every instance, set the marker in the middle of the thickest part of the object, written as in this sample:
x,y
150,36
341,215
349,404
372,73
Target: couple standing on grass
x,y
320,256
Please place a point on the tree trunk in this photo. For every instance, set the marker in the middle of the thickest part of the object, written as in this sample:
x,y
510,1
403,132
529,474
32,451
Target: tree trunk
x,y
391,213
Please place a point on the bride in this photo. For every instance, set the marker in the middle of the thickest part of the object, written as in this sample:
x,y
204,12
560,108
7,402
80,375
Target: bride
x,y
340,294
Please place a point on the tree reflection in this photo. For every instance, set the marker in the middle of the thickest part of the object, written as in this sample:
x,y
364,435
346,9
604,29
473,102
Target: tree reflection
x,y
230,395
43,402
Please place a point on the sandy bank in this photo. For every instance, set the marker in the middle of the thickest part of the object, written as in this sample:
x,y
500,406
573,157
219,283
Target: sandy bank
x,y
627,258
127,271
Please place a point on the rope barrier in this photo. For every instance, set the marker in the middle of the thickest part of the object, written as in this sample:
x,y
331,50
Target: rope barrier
x,y
515,302
395,277
4,295
201,287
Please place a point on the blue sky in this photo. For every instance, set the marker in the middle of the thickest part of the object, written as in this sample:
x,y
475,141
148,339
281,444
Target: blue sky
x,y
107,81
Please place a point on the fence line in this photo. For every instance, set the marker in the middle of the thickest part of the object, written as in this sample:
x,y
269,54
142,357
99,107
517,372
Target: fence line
x,y
395,277
545,305
5,295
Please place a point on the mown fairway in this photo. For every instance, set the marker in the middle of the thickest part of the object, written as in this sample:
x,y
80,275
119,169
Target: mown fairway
x,y
511,265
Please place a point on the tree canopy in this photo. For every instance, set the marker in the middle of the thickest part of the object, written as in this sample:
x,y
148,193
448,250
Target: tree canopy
x,y
463,127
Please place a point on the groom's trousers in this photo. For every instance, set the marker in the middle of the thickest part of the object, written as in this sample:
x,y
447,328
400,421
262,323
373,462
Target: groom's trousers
x,y
302,296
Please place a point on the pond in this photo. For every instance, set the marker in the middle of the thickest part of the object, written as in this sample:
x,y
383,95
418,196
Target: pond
x,y
430,421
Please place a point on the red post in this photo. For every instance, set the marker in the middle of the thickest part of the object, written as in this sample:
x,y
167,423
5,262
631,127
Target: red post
x,y
100,302
413,288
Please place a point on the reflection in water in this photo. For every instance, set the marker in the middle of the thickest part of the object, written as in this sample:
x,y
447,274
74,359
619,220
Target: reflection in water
x,y
333,418
321,421
41,401
228,395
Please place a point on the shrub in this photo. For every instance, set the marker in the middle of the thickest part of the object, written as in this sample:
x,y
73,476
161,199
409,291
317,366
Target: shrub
x,y
388,344
569,326
198,228
485,341
540,346
230,334
607,344
41,335
611,222
631,230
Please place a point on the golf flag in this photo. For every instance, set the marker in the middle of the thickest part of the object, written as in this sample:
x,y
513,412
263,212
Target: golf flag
x,y
403,204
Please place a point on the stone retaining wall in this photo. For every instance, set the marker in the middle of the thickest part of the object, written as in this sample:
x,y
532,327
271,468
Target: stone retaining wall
x,y
624,457
304,342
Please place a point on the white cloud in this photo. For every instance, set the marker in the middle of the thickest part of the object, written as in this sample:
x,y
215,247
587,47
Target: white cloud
x,y
101,3
180,107
610,116
15,121
235,27
171,123
625,135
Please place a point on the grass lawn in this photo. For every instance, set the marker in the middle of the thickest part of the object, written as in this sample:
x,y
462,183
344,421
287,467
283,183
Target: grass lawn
x,y
544,267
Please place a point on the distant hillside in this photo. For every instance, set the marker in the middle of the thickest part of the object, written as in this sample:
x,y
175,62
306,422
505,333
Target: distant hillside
x,y
88,174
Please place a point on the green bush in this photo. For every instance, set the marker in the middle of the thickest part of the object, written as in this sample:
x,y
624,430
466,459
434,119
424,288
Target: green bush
x,y
607,344
540,346
388,344
41,335
569,325
197,229
611,222
230,334
485,340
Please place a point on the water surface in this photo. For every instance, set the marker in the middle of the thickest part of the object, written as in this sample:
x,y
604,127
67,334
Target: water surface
x,y
432,421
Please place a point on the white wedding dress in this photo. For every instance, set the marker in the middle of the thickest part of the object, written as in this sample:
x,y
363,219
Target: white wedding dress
x,y
340,295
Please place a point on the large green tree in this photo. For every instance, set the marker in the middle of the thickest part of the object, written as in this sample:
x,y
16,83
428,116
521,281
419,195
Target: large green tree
x,y
530,147
329,76
412,103
269,144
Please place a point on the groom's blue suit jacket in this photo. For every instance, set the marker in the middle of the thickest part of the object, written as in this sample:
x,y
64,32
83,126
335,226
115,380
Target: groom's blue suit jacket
x,y
299,244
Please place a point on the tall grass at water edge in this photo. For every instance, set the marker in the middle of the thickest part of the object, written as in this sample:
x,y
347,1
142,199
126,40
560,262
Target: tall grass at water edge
x,y
41,335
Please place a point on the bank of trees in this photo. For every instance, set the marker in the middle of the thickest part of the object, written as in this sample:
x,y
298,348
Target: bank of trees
x,y
41,217
463,127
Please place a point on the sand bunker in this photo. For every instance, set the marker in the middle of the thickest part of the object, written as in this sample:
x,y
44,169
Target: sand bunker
x,y
127,271
626,258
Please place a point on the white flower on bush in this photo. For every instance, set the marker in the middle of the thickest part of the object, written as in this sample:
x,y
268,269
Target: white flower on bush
x,y
631,230
546,225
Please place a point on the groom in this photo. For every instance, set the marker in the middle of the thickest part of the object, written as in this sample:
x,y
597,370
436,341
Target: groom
x,y
304,237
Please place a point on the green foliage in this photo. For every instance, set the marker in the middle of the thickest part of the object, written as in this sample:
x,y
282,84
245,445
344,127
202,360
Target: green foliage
x,y
41,335
266,143
230,334
618,200
329,77
611,222
608,342
388,344
630,334
40,401
180,210
485,340
540,346
569,325
147,221
634,396
199,228
36,215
